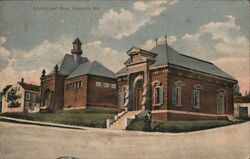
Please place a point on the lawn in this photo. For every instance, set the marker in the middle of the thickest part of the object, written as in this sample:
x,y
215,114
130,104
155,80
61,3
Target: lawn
x,y
179,126
90,117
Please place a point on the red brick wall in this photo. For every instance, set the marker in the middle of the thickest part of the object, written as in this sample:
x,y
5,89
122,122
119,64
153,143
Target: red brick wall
x,y
59,91
166,116
47,83
75,98
55,83
101,96
208,95
174,116
161,76
159,116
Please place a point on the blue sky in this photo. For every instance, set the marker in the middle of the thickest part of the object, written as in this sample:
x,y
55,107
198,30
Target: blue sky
x,y
35,35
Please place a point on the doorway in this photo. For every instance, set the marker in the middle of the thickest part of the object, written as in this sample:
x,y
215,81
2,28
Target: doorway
x,y
138,95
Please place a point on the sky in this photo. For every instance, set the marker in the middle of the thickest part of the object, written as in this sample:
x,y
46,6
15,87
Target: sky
x,y
36,34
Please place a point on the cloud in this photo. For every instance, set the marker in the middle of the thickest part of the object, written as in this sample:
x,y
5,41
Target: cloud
x,y
110,58
29,64
123,23
2,40
237,67
226,37
149,44
152,8
4,54
119,24
17,64
222,43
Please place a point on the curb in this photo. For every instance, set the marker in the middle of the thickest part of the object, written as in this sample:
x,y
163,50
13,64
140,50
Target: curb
x,y
22,121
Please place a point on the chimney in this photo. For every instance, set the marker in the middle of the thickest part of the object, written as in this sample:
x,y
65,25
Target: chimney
x,y
22,80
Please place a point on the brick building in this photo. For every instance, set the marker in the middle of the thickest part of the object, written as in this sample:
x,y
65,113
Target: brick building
x,y
174,86
25,100
77,83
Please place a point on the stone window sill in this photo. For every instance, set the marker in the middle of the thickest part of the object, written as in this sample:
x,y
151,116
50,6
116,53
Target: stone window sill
x,y
157,105
196,107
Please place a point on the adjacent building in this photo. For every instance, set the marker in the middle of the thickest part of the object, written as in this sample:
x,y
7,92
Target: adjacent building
x,y
77,83
174,86
20,97
242,106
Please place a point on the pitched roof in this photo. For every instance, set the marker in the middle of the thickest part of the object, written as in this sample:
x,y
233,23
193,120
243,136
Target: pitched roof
x,y
69,63
92,68
122,71
168,56
29,87
6,88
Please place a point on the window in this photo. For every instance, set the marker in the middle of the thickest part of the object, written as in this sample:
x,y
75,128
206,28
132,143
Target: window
x,y
221,103
158,95
176,96
113,86
27,104
106,85
98,84
34,97
196,98
80,84
28,96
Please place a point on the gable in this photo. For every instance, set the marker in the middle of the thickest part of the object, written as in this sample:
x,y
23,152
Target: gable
x,y
138,55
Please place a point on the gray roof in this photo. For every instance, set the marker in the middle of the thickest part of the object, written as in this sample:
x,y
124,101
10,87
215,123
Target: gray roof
x,y
92,68
168,56
68,64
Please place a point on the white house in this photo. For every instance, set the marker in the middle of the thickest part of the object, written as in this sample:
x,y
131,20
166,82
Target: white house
x,y
21,97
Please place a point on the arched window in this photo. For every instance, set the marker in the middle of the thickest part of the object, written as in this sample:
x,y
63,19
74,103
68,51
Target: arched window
x,y
158,97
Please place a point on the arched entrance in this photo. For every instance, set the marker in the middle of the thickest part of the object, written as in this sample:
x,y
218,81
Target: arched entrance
x,y
138,89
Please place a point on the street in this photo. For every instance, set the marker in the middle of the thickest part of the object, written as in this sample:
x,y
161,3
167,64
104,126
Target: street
x,y
22,141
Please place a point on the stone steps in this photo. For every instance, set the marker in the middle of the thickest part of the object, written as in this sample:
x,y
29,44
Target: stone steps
x,y
121,123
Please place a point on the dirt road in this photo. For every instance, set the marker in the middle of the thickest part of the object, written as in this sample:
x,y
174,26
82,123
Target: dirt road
x,y
20,141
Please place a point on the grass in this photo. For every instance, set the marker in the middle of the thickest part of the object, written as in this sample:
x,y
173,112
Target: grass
x,y
180,126
90,117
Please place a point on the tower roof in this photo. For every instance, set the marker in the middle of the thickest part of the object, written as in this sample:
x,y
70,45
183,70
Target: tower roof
x,y
77,41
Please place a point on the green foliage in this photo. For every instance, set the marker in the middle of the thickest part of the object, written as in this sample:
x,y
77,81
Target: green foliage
x,y
179,126
12,98
91,117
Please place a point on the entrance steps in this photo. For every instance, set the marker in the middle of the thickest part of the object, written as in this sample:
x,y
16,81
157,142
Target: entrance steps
x,y
122,122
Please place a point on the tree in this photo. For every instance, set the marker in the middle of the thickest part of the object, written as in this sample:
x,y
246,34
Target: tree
x,y
12,98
